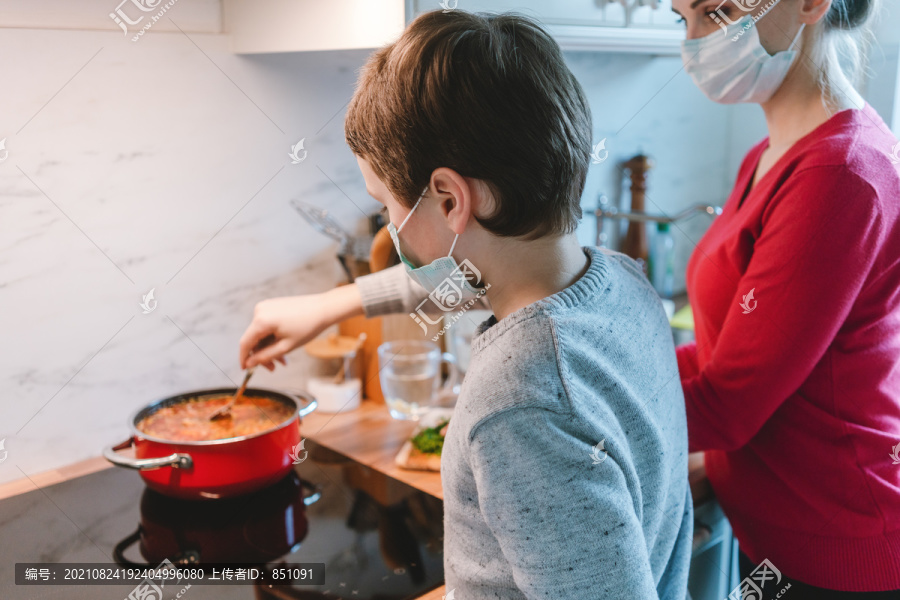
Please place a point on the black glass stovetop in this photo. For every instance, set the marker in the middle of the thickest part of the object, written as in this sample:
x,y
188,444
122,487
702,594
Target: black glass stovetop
x,y
378,538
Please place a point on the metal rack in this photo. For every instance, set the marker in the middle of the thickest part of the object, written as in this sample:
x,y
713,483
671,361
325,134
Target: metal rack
x,y
613,213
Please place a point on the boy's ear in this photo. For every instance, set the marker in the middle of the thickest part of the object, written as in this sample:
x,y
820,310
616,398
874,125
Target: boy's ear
x,y
813,11
457,197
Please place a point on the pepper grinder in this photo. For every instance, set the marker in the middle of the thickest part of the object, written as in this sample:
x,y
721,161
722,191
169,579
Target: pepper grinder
x,y
635,243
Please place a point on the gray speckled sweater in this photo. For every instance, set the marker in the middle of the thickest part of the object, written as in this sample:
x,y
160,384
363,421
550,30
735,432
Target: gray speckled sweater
x,y
528,512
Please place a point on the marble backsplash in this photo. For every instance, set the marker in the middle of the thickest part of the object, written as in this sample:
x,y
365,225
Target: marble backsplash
x,y
163,165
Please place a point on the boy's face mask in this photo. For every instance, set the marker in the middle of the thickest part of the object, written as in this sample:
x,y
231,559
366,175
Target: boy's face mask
x,y
732,71
431,275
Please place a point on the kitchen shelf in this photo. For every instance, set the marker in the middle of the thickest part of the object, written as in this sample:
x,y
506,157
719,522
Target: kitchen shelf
x,y
662,42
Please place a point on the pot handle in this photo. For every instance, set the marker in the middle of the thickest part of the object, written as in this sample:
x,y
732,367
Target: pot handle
x,y
311,403
314,496
177,460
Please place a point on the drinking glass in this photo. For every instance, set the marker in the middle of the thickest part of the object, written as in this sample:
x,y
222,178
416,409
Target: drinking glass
x,y
410,373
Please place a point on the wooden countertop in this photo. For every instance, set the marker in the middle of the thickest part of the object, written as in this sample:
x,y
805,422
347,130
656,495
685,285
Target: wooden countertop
x,y
369,435
42,480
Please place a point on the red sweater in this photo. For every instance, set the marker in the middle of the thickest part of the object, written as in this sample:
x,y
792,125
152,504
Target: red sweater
x,y
797,401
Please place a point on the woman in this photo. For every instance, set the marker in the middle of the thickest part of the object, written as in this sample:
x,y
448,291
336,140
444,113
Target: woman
x,y
793,384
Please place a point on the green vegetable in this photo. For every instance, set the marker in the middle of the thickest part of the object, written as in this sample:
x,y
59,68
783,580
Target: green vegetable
x,y
430,440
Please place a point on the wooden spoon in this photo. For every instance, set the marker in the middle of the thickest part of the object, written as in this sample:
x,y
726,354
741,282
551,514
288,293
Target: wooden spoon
x,y
224,412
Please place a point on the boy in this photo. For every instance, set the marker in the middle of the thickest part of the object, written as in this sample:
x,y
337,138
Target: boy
x,y
564,466
481,114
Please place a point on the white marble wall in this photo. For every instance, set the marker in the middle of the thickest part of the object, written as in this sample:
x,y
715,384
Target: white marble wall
x,y
643,104
164,164
161,164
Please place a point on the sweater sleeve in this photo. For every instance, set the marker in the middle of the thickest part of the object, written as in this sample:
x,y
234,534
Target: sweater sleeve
x,y
392,291
389,291
567,527
818,241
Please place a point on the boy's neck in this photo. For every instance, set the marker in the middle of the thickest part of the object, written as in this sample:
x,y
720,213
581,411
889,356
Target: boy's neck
x,y
523,272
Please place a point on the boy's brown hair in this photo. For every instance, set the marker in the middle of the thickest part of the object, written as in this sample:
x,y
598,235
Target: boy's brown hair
x,y
488,96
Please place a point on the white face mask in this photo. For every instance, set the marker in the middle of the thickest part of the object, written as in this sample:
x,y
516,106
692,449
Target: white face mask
x,y
450,281
730,70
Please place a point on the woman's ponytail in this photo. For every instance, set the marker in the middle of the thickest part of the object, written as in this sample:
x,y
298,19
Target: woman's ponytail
x,y
840,48
849,14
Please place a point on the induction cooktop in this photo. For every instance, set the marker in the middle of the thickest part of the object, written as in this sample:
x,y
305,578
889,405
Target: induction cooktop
x,y
373,536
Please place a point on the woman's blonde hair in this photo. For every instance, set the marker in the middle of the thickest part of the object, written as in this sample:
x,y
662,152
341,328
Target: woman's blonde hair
x,y
840,47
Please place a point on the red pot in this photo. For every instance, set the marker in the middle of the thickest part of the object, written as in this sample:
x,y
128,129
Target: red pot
x,y
215,468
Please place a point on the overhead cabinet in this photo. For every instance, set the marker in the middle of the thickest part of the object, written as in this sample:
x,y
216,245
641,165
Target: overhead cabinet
x,y
264,26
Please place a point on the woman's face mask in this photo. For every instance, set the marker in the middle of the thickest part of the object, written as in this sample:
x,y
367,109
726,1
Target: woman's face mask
x,y
433,275
734,67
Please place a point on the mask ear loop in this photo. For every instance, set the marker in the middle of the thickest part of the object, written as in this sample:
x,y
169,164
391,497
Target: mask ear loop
x,y
452,246
797,37
413,209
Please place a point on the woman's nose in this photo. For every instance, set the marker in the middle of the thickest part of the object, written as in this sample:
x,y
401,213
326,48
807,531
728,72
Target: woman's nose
x,y
694,31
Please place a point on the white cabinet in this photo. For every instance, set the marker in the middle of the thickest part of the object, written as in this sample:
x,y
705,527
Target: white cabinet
x,y
609,25
599,13
190,16
260,26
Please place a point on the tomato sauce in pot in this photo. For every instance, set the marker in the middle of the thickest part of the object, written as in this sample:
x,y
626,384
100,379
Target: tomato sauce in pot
x,y
189,421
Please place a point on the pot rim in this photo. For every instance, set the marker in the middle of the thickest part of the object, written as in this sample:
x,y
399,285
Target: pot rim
x,y
291,396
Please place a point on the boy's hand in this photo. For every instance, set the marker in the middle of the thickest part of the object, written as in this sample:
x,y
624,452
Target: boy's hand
x,y
291,321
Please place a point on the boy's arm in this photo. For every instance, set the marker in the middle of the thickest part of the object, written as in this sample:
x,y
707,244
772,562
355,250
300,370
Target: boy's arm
x,y
389,291
392,291
567,526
